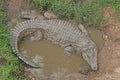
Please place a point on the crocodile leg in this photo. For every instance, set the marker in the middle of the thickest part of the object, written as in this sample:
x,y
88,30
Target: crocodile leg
x,y
68,50
37,35
82,28
32,35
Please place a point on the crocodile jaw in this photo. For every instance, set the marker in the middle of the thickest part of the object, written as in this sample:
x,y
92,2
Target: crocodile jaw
x,y
90,56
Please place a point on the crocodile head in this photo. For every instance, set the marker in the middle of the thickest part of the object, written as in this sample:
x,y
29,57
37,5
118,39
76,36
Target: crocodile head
x,y
89,54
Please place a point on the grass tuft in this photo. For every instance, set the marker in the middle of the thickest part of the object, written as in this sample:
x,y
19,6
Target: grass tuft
x,y
8,62
88,12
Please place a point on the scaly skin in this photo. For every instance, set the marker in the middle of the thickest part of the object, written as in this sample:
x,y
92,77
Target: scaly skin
x,y
60,33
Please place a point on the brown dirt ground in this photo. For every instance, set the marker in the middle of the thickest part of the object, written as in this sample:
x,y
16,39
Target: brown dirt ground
x,y
13,7
108,58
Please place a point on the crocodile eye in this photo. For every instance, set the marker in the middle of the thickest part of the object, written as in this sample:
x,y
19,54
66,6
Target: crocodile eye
x,y
69,51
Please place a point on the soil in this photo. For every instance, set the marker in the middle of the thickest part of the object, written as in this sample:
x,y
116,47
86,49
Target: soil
x,y
14,7
109,56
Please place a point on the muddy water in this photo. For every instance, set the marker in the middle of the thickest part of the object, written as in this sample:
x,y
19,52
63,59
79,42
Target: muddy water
x,y
54,59
97,37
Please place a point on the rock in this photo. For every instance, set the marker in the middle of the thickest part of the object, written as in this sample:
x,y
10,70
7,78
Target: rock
x,y
85,18
117,70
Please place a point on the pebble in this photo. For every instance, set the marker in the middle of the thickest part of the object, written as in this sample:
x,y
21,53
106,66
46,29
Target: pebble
x,y
117,70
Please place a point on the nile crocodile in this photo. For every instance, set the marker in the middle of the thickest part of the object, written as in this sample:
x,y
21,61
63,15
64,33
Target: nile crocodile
x,y
74,38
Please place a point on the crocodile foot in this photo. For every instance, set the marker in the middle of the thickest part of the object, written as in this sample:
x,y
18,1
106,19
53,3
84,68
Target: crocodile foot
x,y
68,50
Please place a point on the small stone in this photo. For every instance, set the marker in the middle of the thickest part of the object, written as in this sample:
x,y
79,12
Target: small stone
x,y
23,51
109,48
117,70
106,37
84,18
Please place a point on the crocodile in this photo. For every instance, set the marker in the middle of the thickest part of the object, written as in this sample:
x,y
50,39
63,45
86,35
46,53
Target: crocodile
x,y
73,38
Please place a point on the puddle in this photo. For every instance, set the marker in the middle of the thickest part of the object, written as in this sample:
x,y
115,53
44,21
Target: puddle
x,y
97,37
53,57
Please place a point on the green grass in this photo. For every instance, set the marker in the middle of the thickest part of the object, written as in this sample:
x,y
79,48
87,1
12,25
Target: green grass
x,y
88,13
116,4
61,8
9,64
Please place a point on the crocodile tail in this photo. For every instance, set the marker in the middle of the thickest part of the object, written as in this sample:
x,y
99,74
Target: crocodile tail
x,y
27,61
14,34
35,23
